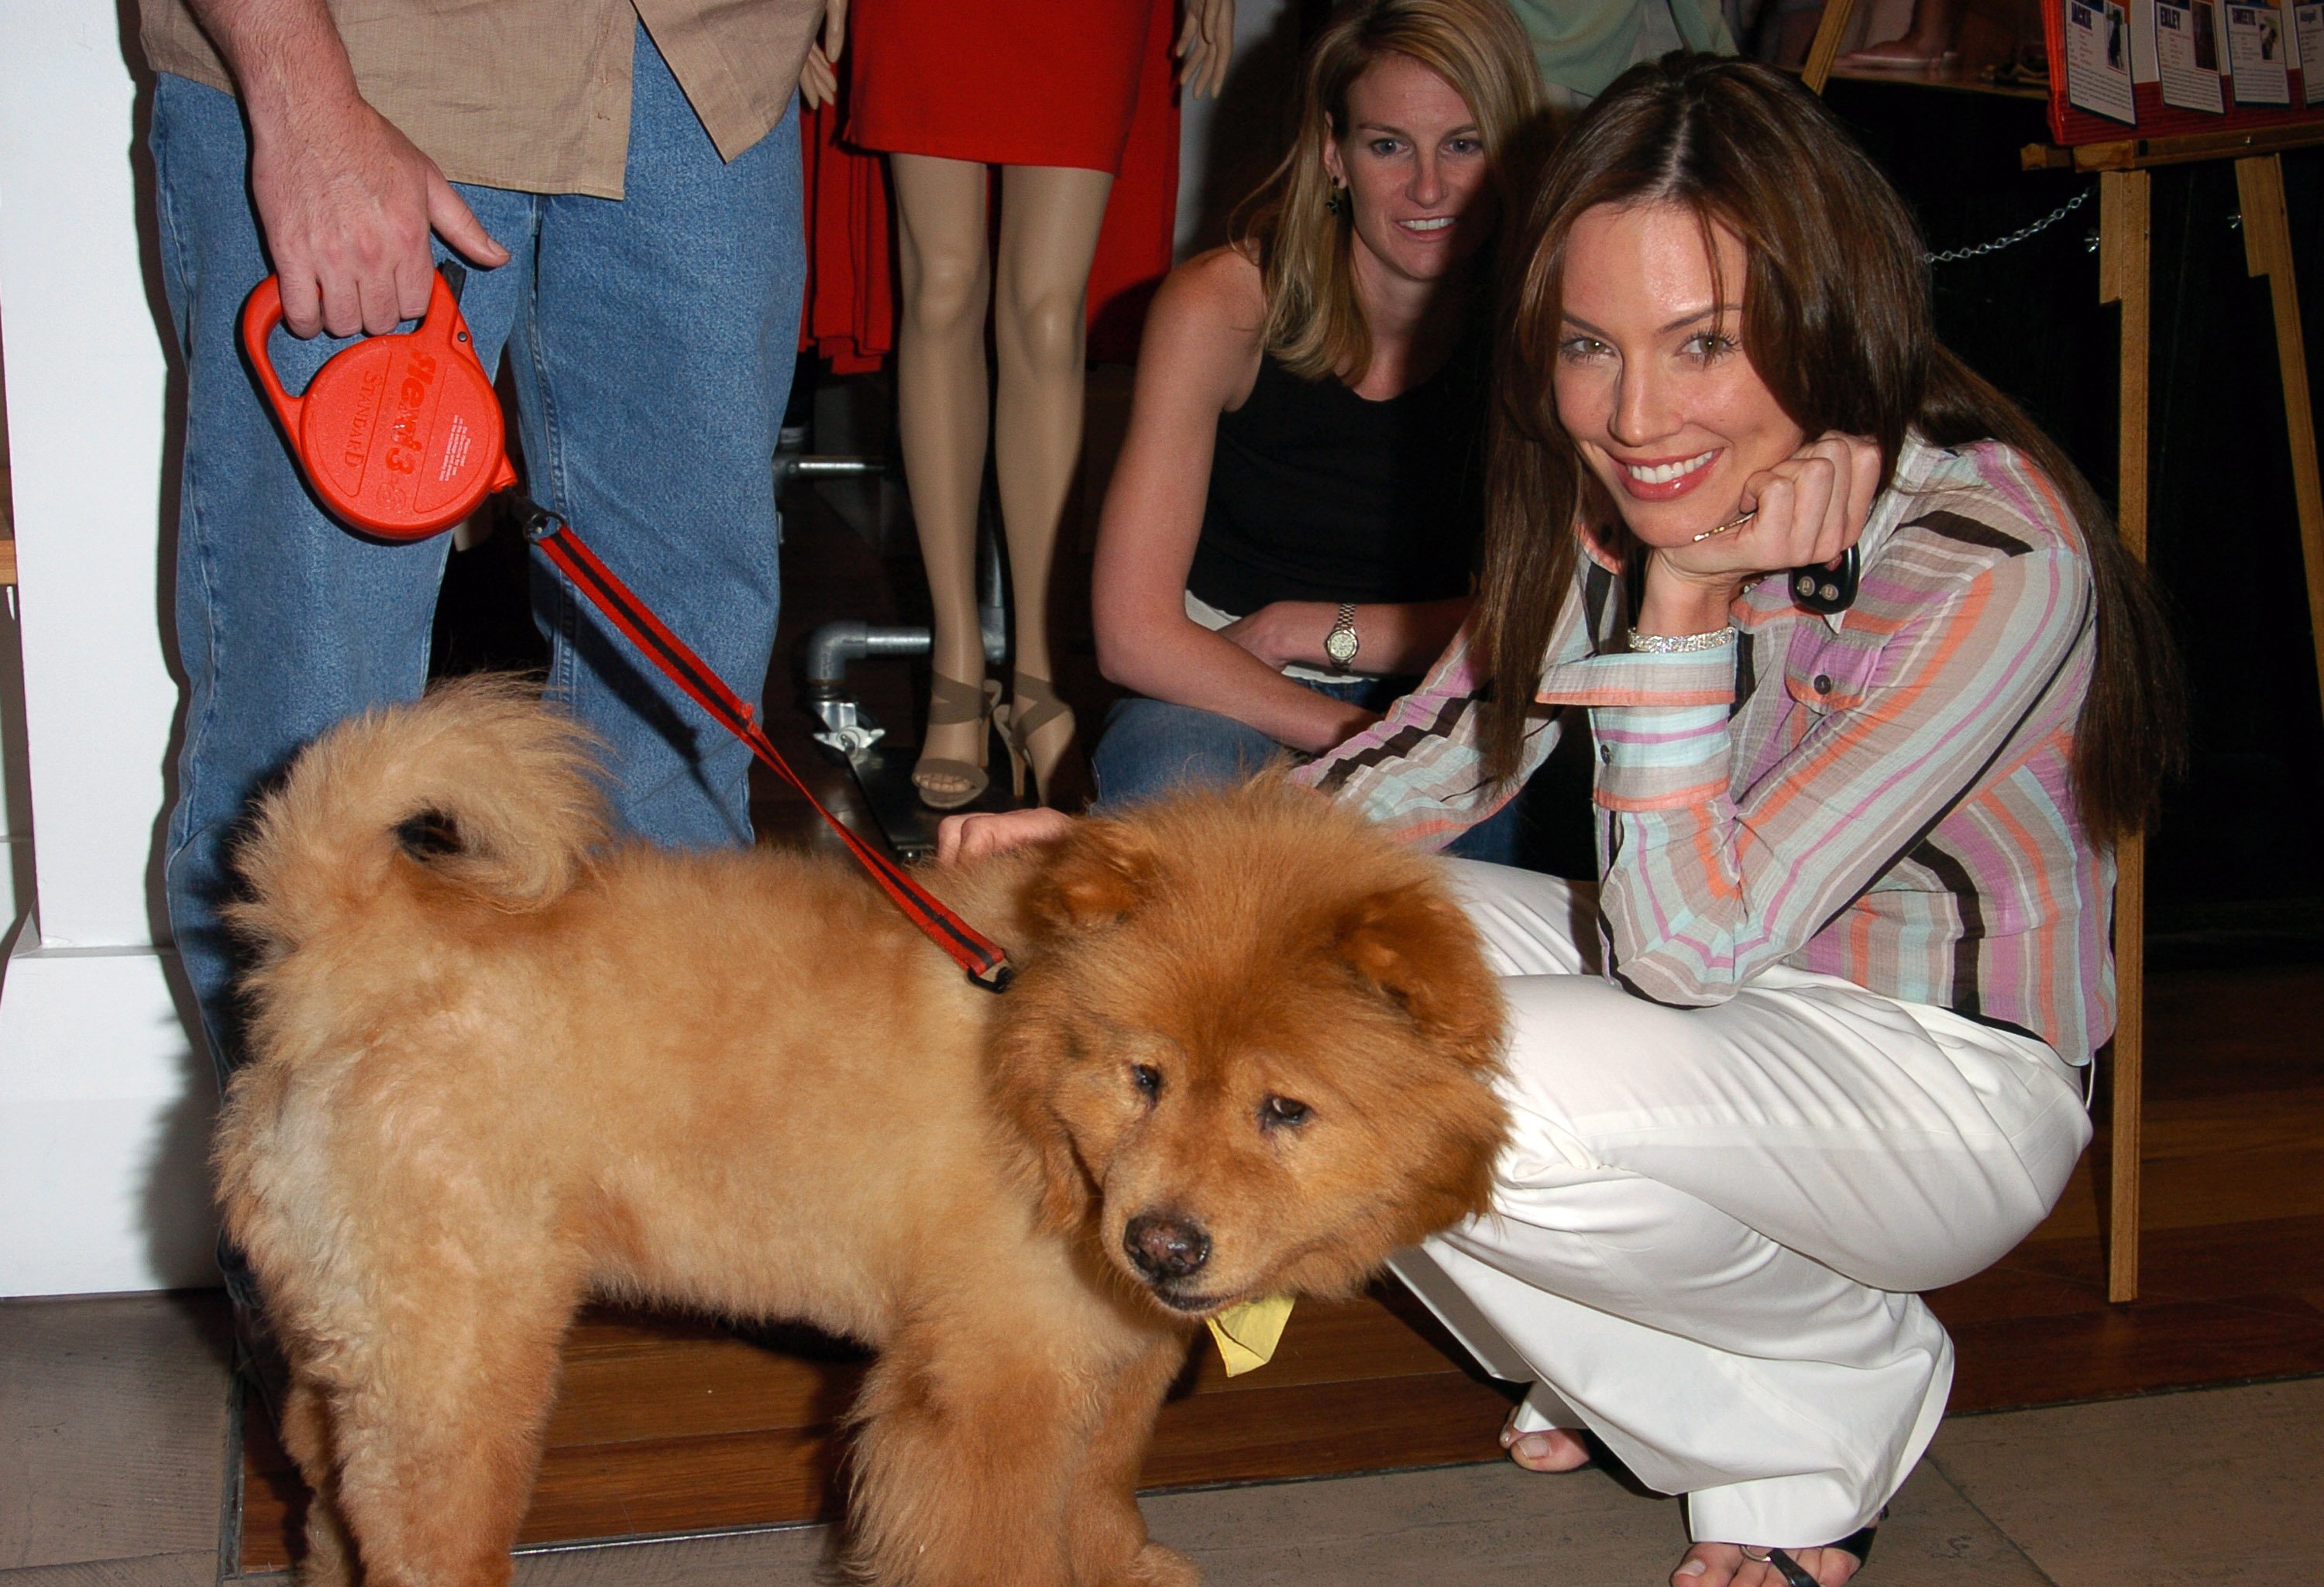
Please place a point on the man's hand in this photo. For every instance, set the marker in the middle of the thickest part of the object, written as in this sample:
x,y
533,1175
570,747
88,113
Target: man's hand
x,y
345,200
347,204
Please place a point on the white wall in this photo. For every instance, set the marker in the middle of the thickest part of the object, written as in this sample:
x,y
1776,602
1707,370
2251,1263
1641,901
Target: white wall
x,y
104,1107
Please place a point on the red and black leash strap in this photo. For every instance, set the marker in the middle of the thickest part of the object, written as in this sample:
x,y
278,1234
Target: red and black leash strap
x,y
985,963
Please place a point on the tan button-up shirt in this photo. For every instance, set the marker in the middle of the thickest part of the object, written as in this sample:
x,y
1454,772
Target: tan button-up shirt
x,y
534,94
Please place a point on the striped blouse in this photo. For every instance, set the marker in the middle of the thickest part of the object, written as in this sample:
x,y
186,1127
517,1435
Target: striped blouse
x,y
1881,795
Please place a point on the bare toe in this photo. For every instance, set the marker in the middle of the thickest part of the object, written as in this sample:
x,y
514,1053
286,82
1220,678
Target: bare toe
x,y
1708,1564
1725,1565
1545,1449
1554,1450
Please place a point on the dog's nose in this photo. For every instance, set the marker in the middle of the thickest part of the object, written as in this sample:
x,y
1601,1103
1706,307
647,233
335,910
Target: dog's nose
x,y
1165,1247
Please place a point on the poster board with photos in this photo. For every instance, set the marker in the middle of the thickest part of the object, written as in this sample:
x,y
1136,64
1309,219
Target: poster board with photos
x,y
2160,67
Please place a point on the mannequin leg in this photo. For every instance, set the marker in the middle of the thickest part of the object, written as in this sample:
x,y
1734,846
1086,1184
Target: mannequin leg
x,y
1049,220
942,420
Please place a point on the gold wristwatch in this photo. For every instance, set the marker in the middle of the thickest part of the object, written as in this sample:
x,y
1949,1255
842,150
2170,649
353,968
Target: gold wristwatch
x,y
1341,644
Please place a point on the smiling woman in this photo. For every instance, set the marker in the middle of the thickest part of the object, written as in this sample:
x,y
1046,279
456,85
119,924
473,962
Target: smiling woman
x,y
1819,1048
1652,385
1412,164
1289,536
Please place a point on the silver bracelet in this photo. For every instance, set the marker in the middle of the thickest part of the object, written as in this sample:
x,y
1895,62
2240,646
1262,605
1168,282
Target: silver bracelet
x,y
1672,644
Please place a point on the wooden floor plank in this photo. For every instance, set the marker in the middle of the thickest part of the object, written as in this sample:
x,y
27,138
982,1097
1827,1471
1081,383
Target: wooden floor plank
x,y
676,1485
2215,1261
696,1388
2139,1348
1444,1417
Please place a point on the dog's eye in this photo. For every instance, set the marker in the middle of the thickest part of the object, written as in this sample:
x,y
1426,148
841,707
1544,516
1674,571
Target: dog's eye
x,y
1147,1078
1280,1112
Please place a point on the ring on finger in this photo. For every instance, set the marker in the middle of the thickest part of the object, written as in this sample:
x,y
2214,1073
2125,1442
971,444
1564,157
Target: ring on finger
x,y
1736,523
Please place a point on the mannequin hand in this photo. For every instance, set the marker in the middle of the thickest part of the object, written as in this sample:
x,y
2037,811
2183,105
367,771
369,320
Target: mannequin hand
x,y
1810,508
819,72
346,203
1206,42
961,838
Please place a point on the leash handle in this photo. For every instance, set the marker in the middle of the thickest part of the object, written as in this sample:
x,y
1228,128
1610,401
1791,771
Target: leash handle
x,y
260,315
986,963
401,435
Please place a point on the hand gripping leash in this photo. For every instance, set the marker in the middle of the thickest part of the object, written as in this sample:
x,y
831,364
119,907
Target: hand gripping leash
x,y
401,436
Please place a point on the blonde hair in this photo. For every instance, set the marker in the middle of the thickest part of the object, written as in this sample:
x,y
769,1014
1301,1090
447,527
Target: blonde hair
x,y
1301,241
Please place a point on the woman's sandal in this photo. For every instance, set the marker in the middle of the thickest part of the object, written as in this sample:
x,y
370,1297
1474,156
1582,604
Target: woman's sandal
x,y
1035,705
947,784
1855,1544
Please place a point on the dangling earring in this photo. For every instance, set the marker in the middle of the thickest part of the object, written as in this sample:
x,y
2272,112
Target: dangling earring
x,y
1337,202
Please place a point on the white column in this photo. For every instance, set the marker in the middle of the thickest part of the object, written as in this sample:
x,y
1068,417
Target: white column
x,y
105,1106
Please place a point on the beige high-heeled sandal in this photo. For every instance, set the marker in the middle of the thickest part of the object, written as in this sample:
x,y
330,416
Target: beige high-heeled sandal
x,y
952,703
1035,705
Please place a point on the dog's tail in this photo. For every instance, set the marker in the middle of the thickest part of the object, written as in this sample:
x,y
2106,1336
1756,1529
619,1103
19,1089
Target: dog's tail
x,y
487,792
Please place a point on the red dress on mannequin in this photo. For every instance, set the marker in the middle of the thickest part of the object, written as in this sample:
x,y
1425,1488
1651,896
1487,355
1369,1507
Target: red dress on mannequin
x,y
850,316
1006,82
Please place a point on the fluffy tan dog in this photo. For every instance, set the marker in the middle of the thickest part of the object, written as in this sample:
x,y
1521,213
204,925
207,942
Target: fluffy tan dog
x,y
498,1067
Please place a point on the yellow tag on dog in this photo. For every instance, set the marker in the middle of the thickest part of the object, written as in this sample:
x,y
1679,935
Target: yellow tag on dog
x,y
1248,1334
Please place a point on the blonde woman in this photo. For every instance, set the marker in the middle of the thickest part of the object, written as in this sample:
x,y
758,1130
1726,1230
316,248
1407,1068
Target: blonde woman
x,y
1288,537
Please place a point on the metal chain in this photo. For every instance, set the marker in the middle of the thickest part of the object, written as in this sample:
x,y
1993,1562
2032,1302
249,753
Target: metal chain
x,y
1955,255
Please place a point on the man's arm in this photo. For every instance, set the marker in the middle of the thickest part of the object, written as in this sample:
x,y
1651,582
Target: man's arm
x,y
346,201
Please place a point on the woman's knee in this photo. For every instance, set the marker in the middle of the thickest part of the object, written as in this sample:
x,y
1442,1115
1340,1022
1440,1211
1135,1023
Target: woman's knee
x,y
1532,923
1152,747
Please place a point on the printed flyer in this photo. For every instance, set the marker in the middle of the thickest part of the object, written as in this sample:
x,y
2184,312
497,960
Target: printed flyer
x,y
2308,30
2176,46
2097,59
2256,51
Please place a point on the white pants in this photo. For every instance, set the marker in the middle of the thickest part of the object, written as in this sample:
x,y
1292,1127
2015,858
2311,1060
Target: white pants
x,y
1708,1224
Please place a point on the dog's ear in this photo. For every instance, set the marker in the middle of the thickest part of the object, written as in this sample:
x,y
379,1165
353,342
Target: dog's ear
x,y
1414,946
1026,1056
1095,877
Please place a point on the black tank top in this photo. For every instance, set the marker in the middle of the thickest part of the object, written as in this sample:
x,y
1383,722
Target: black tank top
x,y
1317,495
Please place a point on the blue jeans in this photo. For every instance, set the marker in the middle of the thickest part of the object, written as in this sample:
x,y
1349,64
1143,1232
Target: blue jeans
x,y
1150,747
650,341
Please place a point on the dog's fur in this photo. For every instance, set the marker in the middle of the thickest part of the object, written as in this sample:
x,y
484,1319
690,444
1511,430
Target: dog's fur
x,y
498,1067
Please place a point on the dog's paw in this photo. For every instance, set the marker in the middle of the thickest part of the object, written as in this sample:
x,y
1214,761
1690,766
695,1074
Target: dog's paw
x,y
1156,1566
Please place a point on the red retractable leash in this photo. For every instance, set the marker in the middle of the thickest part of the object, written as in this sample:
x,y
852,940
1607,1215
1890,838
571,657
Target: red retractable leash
x,y
401,436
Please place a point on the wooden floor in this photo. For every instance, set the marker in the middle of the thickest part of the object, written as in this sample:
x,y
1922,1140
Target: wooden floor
x,y
673,1424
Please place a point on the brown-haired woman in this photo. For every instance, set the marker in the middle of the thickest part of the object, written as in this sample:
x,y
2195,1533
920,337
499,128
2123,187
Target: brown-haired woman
x,y
1823,1047
1287,534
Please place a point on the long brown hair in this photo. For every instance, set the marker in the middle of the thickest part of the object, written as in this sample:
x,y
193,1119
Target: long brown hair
x,y
1314,324
1837,323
